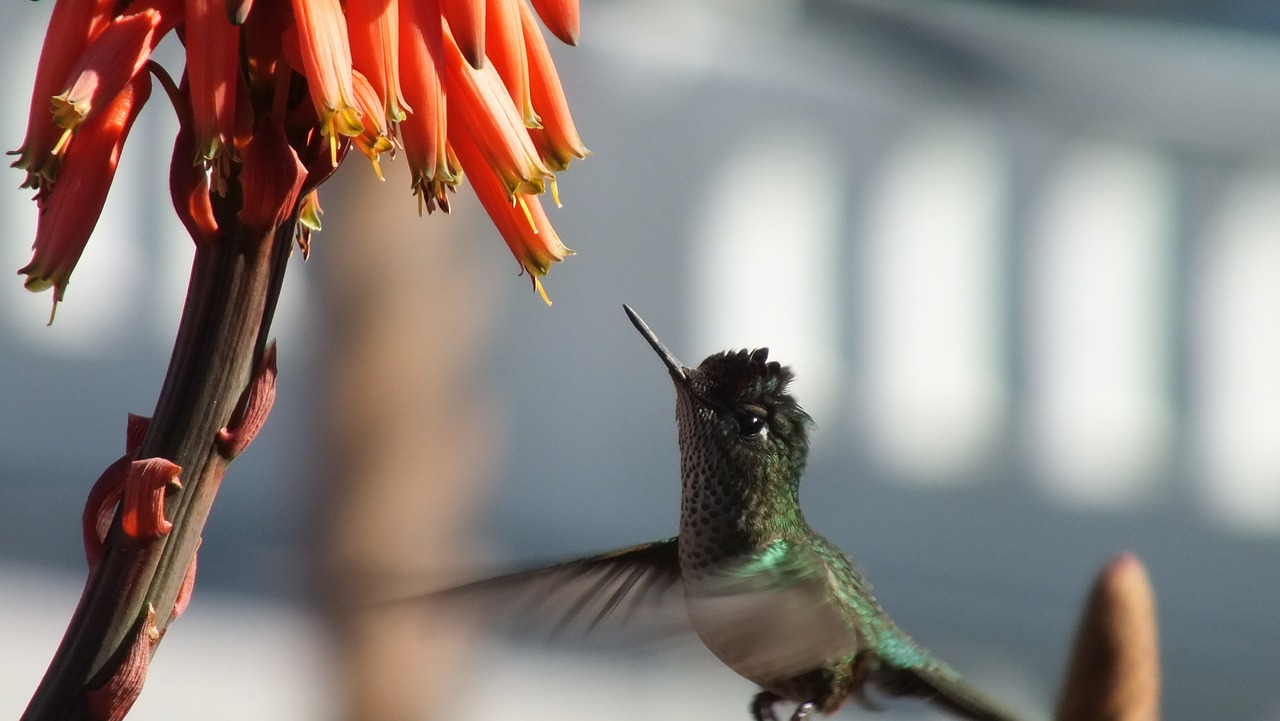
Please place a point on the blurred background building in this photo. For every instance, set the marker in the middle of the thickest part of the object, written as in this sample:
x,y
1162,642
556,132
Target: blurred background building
x,y
1025,257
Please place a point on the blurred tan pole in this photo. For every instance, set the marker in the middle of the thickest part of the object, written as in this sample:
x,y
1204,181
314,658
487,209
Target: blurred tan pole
x,y
1114,674
409,429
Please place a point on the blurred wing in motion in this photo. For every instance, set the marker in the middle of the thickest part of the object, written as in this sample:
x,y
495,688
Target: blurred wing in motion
x,y
771,615
631,590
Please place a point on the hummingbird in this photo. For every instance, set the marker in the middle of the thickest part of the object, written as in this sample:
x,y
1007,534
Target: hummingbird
x,y
777,603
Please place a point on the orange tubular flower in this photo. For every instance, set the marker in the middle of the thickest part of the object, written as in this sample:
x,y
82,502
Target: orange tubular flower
x,y
466,21
557,140
115,56
73,24
504,46
379,75
426,145
561,17
482,109
326,61
72,207
376,138
375,51
212,69
519,218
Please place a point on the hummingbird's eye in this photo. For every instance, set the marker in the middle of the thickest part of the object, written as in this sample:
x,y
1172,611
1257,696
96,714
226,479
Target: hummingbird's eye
x,y
750,424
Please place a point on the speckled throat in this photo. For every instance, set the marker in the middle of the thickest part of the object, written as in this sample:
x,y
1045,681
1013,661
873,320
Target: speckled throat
x,y
728,510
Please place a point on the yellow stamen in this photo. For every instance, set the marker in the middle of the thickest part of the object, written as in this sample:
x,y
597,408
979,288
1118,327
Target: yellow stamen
x,y
61,145
527,215
555,192
537,285
343,121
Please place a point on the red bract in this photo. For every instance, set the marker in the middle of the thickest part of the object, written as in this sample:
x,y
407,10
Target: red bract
x,y
142,503
112,700
271,179
189,186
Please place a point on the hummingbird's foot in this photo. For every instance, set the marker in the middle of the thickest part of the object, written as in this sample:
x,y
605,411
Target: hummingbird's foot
x,y
762,706
804,711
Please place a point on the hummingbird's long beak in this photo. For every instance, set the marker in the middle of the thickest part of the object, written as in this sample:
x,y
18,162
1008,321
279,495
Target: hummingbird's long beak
x,y
676,367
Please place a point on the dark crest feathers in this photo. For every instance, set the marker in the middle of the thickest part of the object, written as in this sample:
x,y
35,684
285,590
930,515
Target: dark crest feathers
x,y
731,378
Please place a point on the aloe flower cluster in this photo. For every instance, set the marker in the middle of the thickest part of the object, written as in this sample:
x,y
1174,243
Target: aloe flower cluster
x,y
274,94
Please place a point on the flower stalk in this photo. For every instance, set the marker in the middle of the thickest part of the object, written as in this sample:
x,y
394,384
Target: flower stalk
x,y
221,339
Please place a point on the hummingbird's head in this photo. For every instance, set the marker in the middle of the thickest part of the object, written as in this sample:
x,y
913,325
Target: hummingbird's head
x,y
742,399
737,418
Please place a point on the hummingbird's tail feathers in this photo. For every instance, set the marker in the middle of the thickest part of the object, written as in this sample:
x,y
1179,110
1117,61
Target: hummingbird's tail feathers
x,y
638,587
944,688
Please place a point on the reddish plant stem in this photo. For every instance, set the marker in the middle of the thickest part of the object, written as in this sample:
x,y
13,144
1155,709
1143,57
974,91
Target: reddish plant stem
x,y
221,338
